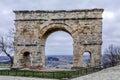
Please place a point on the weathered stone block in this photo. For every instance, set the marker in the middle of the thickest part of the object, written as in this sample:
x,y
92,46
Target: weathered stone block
x,y
90,39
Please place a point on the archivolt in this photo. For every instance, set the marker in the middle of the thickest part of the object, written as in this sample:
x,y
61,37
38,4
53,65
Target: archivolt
x,y
25,50
52,27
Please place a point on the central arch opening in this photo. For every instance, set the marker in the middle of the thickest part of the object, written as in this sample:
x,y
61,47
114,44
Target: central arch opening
x,y
59,50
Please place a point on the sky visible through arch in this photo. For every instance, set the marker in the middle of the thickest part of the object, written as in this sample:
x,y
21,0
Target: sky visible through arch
x,y
59,43
111,17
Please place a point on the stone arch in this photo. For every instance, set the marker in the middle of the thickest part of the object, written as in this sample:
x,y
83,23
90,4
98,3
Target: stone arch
x,y
25,55
52,27
55,24
78,23
47,30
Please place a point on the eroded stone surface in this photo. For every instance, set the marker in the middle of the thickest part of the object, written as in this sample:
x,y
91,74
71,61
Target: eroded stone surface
x,y
33,27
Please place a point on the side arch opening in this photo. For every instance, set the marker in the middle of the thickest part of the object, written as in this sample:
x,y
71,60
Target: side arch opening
x,y
26,59
86,59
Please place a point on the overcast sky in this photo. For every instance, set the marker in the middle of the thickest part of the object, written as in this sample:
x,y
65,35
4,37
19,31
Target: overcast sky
x,y
111,19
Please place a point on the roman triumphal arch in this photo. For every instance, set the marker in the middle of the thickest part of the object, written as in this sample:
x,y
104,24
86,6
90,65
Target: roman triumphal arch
x,y
33,27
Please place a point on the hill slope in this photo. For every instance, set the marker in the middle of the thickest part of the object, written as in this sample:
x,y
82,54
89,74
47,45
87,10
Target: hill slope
x,y
112,73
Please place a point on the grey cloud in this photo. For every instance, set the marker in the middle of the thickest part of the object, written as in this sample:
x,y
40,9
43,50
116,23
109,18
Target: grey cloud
x,y
111,27
60,36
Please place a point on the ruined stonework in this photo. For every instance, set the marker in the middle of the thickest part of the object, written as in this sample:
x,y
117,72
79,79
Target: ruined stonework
x,y
33,28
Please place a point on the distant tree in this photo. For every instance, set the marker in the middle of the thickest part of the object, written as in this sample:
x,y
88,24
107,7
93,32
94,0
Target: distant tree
x,y
111,56
7,44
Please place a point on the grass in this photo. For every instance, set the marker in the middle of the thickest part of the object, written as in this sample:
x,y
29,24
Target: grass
x,y
44,74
